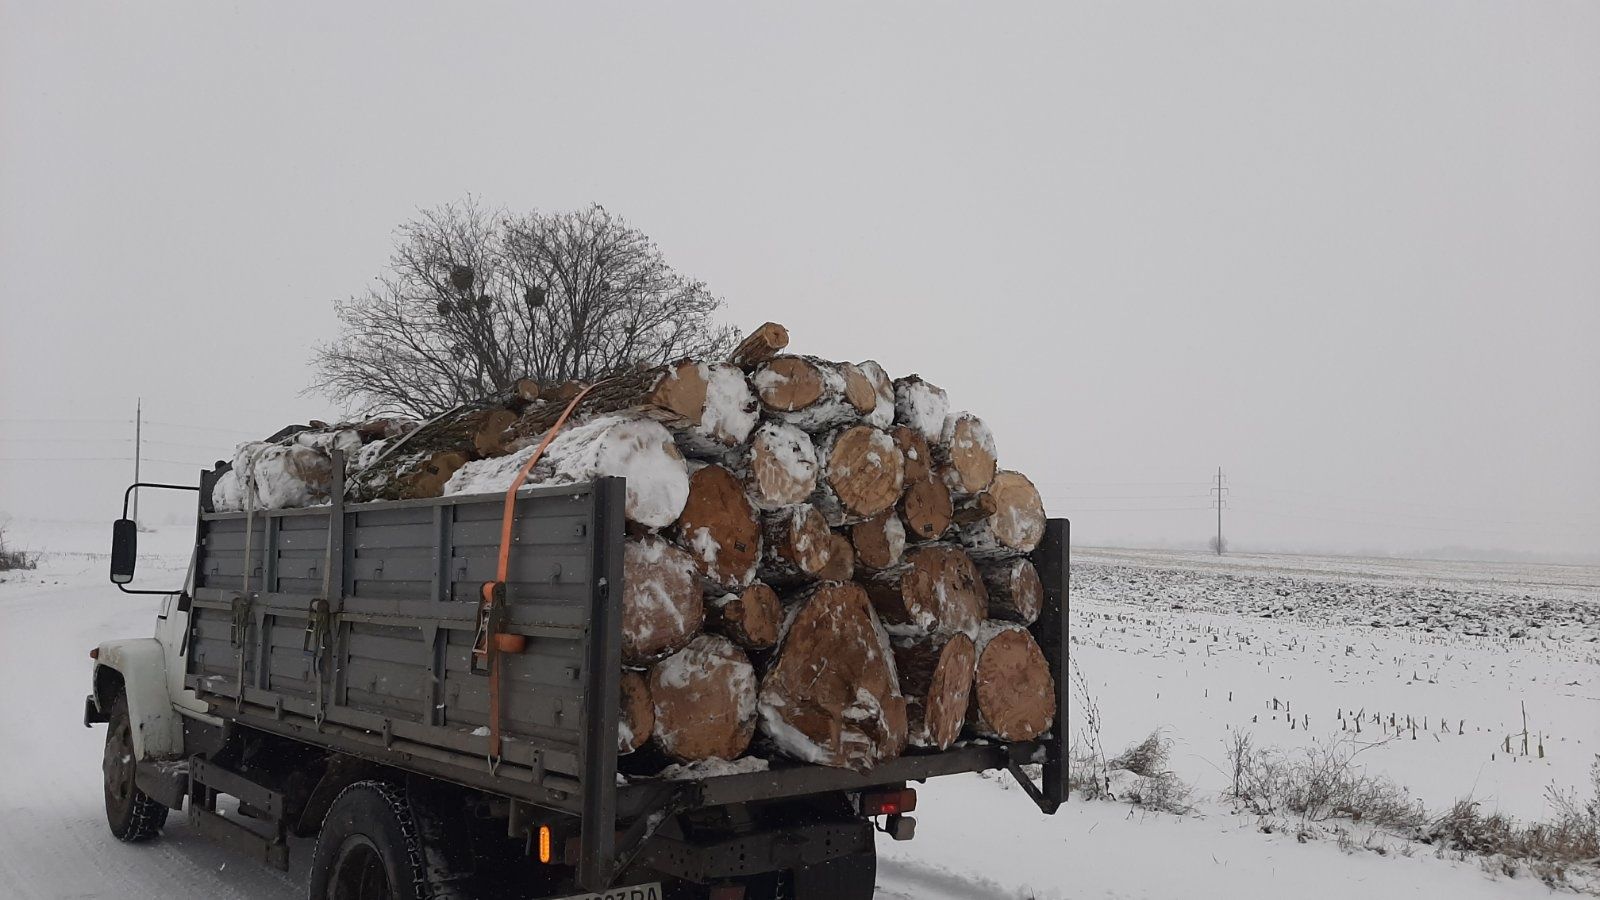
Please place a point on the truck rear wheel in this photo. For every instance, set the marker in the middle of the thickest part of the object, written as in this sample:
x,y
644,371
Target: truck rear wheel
x,y
371,848
132,815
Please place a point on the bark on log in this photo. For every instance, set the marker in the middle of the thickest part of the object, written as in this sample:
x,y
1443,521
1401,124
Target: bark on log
x,y
418,464
914,447
274,476
936,678
779,468
1015,592
796,545
750,618
831,696
636,715
662,607
882,412
936,589
1005,520
813,394
720,528
879,541
921,405
705,701
841,560
760,345
1013,695
966,454
629,445
926,509
673,394
862,474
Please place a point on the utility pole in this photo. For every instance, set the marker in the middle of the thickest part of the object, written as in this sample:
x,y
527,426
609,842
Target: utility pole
x,y
138,446
1218,490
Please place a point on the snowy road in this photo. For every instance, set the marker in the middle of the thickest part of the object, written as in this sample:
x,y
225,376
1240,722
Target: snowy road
x,y
975,837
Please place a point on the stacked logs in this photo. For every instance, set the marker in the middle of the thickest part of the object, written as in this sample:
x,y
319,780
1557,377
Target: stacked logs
x,y
821,562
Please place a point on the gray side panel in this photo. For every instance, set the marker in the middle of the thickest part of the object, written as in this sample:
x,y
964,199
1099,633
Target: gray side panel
x,y
398,665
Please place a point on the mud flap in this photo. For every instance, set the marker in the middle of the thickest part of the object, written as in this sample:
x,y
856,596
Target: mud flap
x,y
851,877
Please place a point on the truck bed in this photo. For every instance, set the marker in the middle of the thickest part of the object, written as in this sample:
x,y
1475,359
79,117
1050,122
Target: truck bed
x,y
382,670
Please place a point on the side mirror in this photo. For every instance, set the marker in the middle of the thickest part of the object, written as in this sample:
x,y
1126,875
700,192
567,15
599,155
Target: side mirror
x,y
124,550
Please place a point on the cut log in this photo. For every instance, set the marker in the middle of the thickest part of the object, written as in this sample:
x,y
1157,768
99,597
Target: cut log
x,y
796,545
862,474
1005,520
936,678
926,509
1015,592
914,447
780,466
705,701
921,406
728,413
662,606
831,696
879,541
720,527
386,428
882,413
628,445
636,714
527,389
760,345
750,618
936,589
1013,695
841,560
966,454
812,394
489,437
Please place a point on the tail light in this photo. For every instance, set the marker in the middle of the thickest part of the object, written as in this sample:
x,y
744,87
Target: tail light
x,y
889,803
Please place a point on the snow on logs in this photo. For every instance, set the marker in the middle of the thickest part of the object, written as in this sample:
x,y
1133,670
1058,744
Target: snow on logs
x,y
936,589
830,695
627,444
821,561
1006,519
863,474
662,606
1013,696
720,527
705,701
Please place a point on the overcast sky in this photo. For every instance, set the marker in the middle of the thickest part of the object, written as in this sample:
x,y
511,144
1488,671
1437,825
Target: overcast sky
x,y
1350,252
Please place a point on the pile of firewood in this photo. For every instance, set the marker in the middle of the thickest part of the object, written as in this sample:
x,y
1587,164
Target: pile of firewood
x,y
821,561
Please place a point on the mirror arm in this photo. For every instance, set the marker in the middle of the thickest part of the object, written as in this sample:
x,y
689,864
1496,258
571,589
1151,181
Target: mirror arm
x,y
126,496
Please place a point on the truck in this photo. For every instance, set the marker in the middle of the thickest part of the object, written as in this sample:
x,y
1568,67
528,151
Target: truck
x,y
320,674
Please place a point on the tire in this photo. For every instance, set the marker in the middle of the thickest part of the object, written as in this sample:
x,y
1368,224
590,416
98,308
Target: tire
x,y
371,848
132,815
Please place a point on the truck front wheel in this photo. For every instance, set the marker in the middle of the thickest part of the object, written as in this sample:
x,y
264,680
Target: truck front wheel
x,y
371,848
132,815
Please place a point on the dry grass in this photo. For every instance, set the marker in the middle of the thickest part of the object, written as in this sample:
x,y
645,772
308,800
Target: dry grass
x,y
1321,783
1548,849
15,559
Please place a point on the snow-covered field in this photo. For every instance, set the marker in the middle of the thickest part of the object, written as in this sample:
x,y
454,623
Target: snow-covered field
x,y
1183,643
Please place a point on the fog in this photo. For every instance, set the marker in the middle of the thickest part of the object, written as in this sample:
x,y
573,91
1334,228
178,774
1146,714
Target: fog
x,y
1348,252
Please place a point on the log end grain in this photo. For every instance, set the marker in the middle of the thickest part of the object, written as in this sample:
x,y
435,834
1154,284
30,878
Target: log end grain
x,y
662,607
705,701
1013,695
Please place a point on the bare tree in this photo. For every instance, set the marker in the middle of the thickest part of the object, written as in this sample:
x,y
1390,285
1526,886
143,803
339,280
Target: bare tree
x,y
474,299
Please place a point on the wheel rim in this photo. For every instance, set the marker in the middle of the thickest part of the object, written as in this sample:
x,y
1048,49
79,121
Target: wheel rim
x,y
359,873
119,765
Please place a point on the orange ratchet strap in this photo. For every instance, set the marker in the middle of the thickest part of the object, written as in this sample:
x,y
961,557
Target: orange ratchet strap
x,y
491,642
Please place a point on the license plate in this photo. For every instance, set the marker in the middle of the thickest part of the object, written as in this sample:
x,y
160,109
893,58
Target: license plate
x,y
650,891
